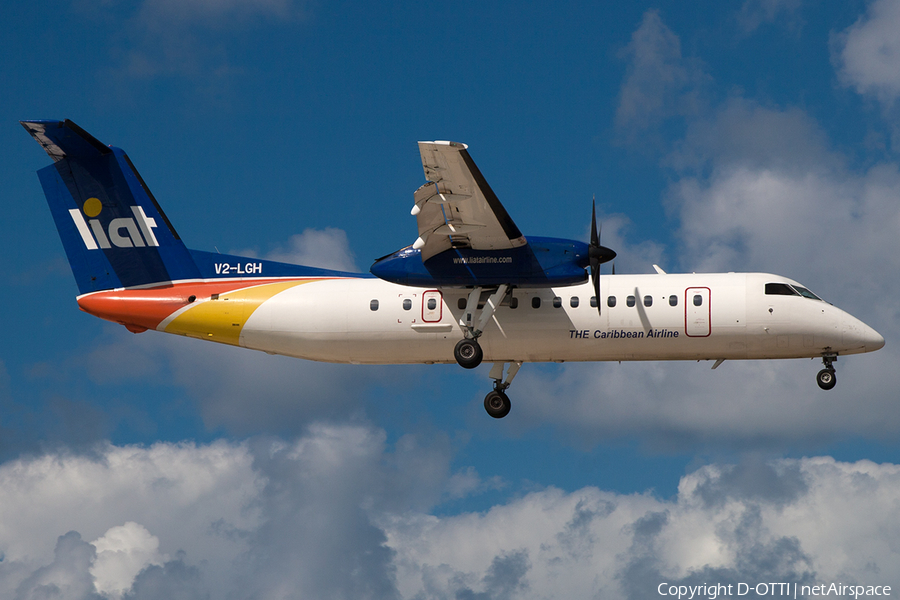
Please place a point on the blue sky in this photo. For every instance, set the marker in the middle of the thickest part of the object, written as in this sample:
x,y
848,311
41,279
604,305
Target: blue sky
x,y
753,136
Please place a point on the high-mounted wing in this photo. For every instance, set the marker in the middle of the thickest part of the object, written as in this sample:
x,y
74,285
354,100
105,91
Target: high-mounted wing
x,y
457,208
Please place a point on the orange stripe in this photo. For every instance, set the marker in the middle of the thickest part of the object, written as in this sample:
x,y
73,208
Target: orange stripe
x,y
140,310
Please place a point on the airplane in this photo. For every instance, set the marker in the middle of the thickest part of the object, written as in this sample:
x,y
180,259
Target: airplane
x,y
471,288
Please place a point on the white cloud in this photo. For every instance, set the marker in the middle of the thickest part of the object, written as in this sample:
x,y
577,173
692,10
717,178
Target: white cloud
x,y
252,520
326,248
66,577
338,513
243,391
754,13
867,54
762,191
176,490
169,11
192,37
123,552
742,404
632,257
780,521
755,188
329,515
659,83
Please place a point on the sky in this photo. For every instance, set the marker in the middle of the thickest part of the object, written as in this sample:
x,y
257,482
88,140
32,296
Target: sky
x,y
761,135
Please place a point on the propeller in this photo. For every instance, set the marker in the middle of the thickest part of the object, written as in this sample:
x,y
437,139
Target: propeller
x,y
598,255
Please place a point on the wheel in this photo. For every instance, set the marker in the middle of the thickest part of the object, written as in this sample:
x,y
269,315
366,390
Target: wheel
x,y
826,379
468,353
497,404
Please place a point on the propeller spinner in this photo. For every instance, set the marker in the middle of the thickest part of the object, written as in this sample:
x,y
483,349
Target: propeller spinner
x,y
598,255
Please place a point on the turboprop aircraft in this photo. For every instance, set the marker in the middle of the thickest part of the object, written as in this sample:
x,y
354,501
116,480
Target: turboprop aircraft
x,y
471,288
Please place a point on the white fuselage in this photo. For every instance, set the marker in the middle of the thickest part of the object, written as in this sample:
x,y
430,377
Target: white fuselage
x,y
672,317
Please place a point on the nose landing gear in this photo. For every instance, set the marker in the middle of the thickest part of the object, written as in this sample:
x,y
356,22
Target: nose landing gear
x,y
826,378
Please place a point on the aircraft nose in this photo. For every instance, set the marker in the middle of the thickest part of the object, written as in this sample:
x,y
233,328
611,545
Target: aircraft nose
x,y
859,335
874,340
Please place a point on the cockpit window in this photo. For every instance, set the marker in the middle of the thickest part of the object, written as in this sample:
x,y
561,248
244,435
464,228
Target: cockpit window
x,y
783,289
806,293
779,289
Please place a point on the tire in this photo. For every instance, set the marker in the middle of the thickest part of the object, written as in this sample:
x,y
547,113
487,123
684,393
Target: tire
x,y
468,353
826,379
497,404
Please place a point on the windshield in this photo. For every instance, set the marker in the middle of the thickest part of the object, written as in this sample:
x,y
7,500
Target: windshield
x,y
784,289
806,293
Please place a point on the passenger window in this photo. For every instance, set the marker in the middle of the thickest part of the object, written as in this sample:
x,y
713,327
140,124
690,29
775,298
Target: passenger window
x,y
407,304
373,305
698,300
673,300
432,304
593,301
514,302
611,301
573,301
536,302
557,302
461,304
629,301
648,300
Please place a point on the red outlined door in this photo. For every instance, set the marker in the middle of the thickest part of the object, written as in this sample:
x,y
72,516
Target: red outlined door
x,y
432,306
697,312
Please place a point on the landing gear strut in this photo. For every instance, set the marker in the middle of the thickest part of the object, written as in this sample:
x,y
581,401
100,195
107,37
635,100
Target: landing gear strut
x,y
468,352
497,403
826,378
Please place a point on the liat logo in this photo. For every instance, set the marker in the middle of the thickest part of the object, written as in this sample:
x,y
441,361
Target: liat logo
x,y
121,233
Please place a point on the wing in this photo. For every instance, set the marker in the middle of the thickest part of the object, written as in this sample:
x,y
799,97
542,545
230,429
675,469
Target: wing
x,y
457,208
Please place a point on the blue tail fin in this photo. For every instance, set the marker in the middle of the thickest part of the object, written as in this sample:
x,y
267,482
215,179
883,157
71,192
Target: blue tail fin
x,y
114,232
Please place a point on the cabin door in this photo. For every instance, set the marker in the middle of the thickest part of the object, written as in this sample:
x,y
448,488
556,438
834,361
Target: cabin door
x,y
432,307
697,312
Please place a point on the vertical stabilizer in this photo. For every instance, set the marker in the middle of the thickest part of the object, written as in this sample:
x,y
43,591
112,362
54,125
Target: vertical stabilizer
x,y
114,232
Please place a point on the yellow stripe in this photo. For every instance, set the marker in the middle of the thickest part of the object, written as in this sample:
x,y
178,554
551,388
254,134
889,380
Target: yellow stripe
x,y
223,319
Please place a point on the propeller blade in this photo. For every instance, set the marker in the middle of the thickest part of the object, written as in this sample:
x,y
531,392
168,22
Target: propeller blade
x,y
598,255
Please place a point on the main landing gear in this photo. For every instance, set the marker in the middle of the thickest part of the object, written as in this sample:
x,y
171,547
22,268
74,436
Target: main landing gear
x,y
468,352
497,403
826,378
